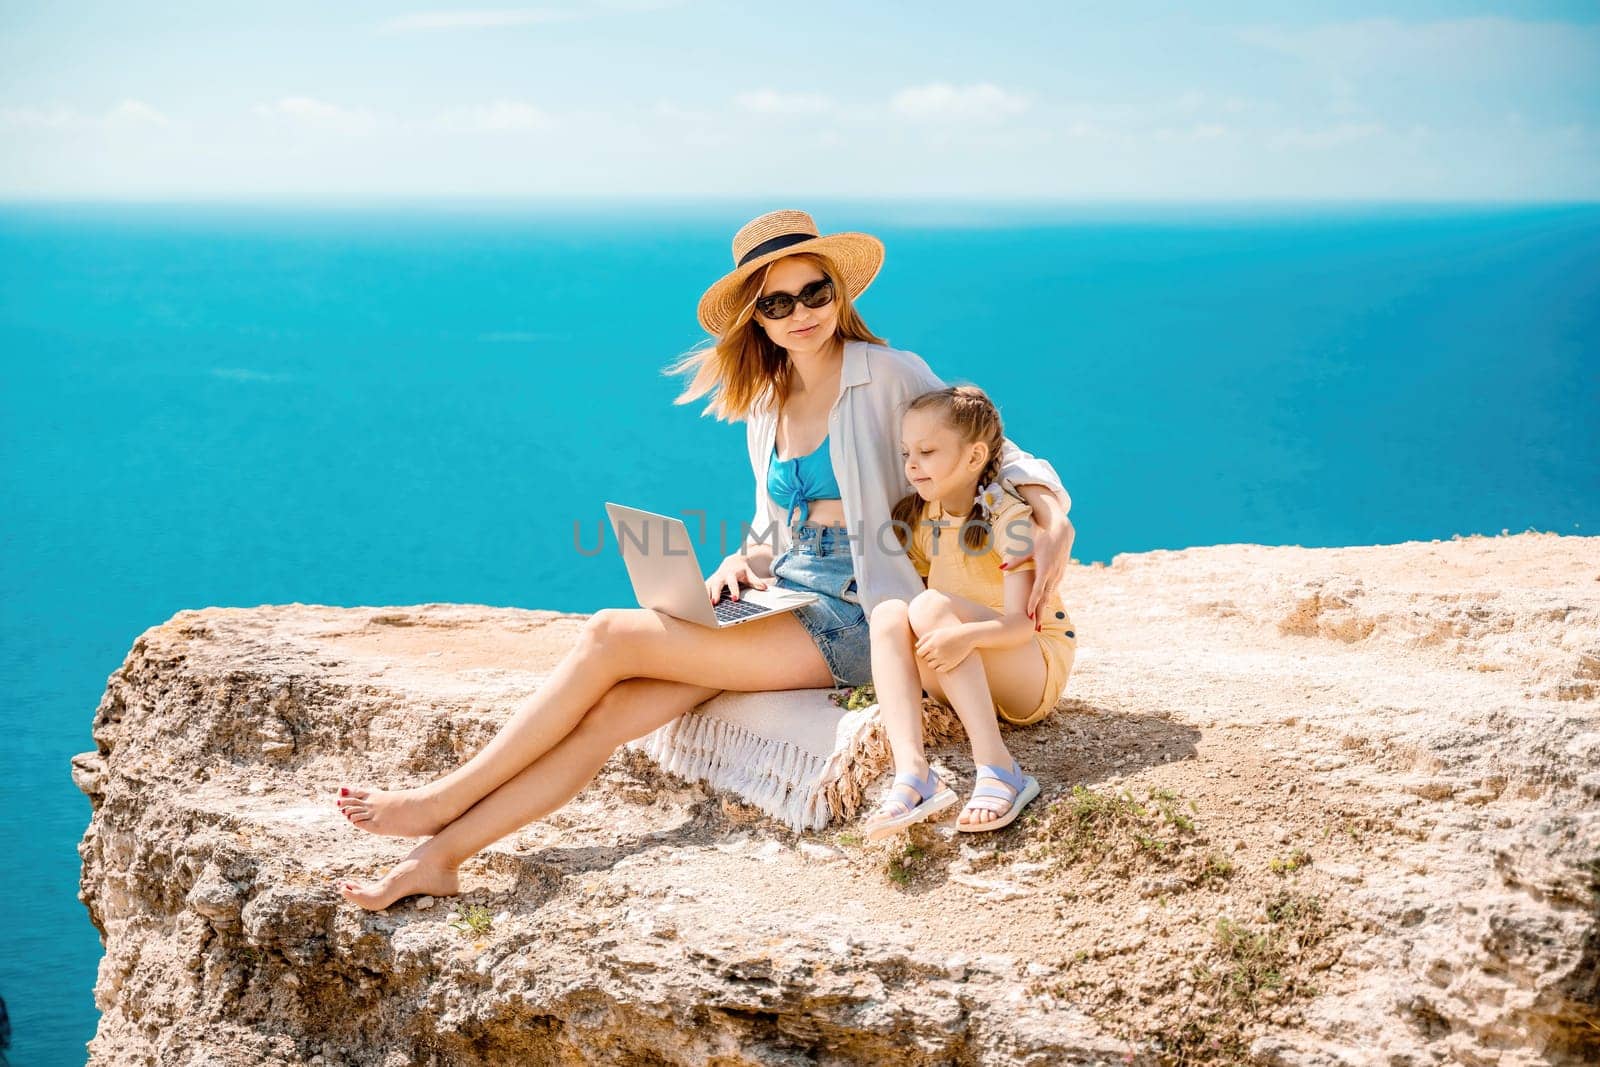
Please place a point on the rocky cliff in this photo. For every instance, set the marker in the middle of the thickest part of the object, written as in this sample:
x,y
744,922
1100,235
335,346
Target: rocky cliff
x,y
1301,807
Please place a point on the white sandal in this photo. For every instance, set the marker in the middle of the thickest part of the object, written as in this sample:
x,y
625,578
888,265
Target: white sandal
x,y
1018,789
885,820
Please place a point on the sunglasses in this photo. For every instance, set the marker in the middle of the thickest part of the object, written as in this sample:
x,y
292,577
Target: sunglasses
x,y
781,305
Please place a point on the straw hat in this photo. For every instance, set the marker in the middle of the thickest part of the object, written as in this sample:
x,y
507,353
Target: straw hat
x,y
783,233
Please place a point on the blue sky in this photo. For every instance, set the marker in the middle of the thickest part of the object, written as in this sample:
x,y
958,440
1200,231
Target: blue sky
x,y
647,98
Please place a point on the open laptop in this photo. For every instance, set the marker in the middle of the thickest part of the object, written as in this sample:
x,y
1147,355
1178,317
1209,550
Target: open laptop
x,y
665,575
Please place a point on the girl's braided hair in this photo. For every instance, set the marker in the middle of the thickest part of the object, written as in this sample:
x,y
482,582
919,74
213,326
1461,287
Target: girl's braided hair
x,y
968,411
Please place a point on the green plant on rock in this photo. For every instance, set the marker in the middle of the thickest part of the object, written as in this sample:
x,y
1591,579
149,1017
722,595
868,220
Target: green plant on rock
x,y
1257,963
1167,803
902,866
474,921
853,699
1147,843
1296,911
1216,866
1252,960
1293,862
1198,1041
1089,826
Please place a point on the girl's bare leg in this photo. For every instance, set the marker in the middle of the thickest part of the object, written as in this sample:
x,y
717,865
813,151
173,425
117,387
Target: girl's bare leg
x,y
771,653
1018,677
630,709
899,689
896,678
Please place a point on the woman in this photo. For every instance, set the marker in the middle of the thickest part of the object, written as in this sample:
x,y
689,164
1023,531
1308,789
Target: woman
x,y
796,362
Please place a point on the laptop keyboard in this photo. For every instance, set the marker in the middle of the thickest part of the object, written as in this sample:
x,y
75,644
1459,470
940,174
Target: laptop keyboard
x,y
728,610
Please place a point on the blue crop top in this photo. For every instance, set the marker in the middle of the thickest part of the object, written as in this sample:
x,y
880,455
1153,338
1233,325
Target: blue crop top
x,y
796,482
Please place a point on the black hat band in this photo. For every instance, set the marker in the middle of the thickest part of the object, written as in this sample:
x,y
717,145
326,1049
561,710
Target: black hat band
x,y
772,244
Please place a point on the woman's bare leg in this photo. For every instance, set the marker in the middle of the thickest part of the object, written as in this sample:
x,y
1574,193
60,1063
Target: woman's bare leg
x,y
1017,672
771,653
630,709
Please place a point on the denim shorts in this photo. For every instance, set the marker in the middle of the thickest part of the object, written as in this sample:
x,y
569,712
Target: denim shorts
x,y
818,560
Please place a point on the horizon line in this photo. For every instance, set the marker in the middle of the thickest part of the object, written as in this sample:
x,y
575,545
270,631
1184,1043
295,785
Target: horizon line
x,y
469,200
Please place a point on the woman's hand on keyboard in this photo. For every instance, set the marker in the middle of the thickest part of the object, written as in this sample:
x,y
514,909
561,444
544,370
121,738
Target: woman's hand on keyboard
x,y
734,570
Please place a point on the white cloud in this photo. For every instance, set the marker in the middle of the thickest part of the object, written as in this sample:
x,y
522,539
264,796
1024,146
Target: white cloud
x,y
427,21
691,128
672,110
1328,137
500,116
1199,131
771,102
981,102
1379,41
38,118
491,117
320,115
510,18
125,114
1195,102
136,113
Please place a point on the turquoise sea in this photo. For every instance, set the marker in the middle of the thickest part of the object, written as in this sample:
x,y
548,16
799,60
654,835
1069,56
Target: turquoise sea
x,y
249,404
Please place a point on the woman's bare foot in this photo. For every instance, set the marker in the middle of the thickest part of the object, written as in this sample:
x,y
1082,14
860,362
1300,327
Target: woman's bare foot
x,y
396,813
414,874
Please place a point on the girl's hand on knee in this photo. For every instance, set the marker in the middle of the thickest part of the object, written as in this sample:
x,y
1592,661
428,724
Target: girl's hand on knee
x,y
945,649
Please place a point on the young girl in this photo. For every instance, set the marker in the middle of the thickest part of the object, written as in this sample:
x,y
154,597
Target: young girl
x,y
968,639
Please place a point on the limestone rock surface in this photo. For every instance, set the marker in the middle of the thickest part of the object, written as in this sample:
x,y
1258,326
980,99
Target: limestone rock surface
x,y
1379,767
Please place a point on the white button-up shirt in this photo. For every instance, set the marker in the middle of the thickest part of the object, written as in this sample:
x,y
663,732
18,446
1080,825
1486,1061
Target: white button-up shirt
x,y
875,386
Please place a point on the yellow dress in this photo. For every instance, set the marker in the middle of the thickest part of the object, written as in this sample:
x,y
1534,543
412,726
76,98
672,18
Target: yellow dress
x,y
951,567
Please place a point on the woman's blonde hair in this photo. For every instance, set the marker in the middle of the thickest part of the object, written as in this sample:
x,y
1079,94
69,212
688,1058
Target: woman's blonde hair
x,y
744,367
968,411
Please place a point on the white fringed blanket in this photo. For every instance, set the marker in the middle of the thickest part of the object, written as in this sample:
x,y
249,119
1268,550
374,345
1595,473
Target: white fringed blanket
x,y
792,753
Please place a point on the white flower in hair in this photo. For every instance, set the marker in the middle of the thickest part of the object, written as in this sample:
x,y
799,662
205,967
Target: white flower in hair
x,y
989,498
